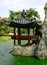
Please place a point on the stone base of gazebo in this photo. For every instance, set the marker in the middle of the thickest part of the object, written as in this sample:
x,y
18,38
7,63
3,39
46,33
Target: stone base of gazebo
x,y
24,51
33,50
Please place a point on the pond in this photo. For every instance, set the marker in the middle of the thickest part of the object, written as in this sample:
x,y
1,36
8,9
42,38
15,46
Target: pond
x,y
7,59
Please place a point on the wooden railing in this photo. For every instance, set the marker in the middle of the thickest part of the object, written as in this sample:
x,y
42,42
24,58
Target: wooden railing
x,y
25,37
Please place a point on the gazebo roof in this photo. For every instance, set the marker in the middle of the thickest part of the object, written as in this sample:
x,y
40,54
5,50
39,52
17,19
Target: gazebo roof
x,y
23,22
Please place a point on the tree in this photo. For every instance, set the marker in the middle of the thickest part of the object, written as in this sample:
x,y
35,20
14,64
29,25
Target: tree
x,y
32,13
3,28
29,13
14,14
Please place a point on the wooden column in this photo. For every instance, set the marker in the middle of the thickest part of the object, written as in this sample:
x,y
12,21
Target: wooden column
x,y
19,41
28,36
14,36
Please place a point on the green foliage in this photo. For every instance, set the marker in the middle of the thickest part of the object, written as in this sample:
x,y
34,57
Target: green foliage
x,y
14,14
32,13
24,31
29,13
4,30
5,38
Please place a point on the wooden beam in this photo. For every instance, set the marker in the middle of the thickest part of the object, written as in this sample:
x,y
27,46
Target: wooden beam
x,y
19,41
28,36
14,36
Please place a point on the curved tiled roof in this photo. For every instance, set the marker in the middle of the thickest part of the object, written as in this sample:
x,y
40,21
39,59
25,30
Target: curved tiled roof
x,y
23,22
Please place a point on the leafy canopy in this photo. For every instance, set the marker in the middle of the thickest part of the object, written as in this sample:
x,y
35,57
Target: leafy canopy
x,y
29,13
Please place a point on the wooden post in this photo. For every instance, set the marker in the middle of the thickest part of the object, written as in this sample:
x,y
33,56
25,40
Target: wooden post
x,y
28,36
14,36
19,41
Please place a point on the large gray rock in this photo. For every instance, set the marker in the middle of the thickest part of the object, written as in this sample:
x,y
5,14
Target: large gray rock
x,y
25,51
42,48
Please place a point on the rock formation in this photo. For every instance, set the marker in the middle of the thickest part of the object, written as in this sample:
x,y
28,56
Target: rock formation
x,y
42,48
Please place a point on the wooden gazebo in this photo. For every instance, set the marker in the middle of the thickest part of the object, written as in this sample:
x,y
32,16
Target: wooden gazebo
x,y
23,22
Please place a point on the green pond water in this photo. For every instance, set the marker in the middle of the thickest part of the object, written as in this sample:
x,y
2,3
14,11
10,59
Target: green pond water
x,y
7,59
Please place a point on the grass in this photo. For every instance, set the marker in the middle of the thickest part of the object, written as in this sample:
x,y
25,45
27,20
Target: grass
x,y
8,38
7,59
5,38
